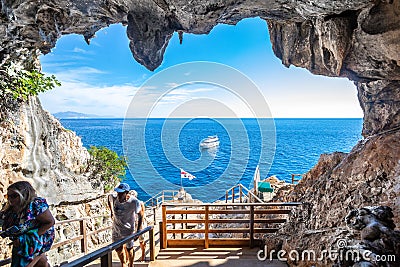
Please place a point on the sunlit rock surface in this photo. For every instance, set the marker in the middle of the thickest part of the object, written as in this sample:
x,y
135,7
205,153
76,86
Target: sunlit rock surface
x,y
368,176
35,146
359,40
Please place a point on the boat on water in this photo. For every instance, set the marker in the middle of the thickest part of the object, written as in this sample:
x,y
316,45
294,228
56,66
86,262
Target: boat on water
x,y
209,142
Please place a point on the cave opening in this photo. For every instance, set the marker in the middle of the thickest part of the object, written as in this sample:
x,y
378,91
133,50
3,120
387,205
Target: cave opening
x,y
100,79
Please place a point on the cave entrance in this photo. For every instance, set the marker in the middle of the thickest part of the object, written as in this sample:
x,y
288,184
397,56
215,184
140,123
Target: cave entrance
x,y
99,80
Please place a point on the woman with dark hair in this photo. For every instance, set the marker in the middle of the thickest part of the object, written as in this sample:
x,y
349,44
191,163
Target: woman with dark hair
x,y
28,222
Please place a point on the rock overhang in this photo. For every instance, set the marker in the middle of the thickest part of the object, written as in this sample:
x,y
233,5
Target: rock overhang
x,y
359,40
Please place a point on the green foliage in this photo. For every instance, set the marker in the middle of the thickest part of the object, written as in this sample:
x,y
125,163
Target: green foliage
x,y
106,165
22,83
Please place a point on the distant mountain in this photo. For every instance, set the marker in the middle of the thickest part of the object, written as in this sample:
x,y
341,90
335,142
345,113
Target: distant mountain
x,y
73,115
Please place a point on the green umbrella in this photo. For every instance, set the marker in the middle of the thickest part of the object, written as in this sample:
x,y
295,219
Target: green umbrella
x,y
265,187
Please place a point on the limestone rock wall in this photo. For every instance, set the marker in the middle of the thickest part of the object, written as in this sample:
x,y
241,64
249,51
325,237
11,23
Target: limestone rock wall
x,y
35,147
369,175
361,44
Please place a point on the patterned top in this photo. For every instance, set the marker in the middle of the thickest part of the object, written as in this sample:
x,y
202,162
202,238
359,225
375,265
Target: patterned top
x,y
30,243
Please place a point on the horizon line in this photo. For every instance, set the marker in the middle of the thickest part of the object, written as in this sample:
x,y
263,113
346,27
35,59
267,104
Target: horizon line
x,y
143,118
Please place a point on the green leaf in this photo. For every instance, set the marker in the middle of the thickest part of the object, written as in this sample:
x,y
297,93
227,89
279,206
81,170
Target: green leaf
x,y
22,83
107,165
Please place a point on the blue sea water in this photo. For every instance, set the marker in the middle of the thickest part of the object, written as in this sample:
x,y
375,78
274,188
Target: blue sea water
x,y
157,148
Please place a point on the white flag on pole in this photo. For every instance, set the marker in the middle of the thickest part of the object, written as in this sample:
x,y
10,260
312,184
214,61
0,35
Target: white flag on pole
x,y
185,174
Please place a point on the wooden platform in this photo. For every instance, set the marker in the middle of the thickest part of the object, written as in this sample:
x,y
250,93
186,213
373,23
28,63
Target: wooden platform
x,y
199,257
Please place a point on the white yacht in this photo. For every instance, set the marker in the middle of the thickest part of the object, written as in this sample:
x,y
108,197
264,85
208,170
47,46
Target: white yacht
x,y
209,142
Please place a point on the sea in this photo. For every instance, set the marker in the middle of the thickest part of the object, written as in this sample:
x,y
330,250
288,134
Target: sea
x,y
158,149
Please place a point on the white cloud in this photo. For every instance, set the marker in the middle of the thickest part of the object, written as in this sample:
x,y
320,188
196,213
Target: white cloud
x,y
111,101
82,51
78,75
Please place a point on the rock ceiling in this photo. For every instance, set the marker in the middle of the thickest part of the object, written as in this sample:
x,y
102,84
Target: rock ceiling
x,y
357,39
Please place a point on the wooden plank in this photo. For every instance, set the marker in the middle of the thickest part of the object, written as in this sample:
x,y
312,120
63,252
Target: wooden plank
x,y
185,231
99,230
228,242
206,226
229,212
69,221
265,230
251,226
84,241
65,242
164,226
185,221
174,243
269,204
185,211
272,211
152,245
161,236
229,230
229,221
269,220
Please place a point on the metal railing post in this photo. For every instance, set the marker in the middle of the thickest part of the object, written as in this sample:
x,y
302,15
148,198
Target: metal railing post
x,y
106,260
154,216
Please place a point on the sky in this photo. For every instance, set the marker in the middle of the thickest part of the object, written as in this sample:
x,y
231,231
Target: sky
x,y
103,78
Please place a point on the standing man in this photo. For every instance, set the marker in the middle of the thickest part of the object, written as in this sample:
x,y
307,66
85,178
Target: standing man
x,y
123,213
140,224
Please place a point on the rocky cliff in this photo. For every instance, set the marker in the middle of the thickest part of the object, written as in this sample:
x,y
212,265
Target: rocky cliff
x,y
357,39
367,176
35,146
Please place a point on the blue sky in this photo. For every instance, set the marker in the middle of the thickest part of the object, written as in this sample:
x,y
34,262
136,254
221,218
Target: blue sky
x,y
102,78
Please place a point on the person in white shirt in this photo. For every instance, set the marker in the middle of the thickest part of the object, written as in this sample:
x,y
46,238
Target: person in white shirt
x,y
140,224
124,209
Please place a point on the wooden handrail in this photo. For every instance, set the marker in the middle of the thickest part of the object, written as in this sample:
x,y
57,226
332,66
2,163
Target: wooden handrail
x,y
105,252
251,193
205,219
160,197
272,204
295,180
241,187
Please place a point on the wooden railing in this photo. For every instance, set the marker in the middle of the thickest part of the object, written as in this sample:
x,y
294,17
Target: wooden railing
x,y
82,236
210,225
83,232
294,180
161,197
239,193
105,253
